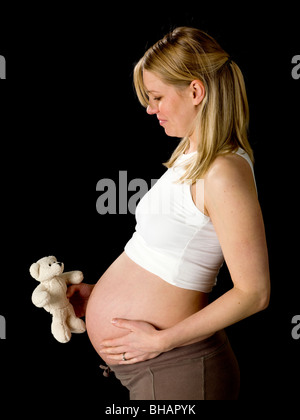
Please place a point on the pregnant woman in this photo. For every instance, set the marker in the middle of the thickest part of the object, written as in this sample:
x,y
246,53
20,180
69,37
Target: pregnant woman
x,y
149,316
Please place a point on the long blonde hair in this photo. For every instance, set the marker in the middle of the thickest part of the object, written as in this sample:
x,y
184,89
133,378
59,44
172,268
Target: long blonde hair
x,y
221,125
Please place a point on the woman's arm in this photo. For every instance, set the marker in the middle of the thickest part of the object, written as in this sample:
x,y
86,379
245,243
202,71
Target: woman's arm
x,y
232,204
79,294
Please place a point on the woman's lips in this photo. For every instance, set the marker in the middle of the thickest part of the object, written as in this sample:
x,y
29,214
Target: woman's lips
x,y
162,122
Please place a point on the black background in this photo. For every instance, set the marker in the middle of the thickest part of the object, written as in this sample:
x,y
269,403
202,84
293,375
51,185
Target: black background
x,y
69,117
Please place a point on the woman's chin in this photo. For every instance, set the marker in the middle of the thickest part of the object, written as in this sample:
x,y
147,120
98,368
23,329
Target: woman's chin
x,y
171,133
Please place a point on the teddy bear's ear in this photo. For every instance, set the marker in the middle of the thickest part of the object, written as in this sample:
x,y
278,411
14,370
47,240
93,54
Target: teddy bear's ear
x,y
35,270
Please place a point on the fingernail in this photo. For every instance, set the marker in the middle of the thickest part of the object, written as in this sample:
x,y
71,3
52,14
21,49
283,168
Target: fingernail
x,y
114,321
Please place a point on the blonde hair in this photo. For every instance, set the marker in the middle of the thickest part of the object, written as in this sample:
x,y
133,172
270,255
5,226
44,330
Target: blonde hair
x,y
221,125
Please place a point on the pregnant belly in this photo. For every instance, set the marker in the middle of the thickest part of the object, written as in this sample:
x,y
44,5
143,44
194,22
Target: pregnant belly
x,y
128,291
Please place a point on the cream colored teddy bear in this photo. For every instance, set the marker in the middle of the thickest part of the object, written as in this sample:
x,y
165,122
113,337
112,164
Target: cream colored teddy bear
x,y
51,295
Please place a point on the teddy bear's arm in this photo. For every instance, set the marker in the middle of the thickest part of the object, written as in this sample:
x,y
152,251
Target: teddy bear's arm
x,y
72,277
40,296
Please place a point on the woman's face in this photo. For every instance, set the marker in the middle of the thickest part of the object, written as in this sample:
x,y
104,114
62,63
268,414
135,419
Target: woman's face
x,y
175,109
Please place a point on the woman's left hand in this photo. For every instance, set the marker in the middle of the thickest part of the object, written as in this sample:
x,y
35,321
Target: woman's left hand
x,y
139,344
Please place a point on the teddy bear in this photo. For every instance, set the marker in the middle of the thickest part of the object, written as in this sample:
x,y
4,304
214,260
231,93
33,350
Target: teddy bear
x,y
50,294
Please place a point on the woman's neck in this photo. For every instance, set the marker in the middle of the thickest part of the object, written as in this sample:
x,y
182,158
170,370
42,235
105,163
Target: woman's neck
x,y
192,145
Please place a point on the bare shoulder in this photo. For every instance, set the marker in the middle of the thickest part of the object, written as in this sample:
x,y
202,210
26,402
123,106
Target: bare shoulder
x,y
232,204
229,178
230,171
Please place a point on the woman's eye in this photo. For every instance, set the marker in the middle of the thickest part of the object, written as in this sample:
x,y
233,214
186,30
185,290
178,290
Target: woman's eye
x,y
157,99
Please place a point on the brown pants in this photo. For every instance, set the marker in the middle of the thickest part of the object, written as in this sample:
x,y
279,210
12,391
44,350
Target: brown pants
x,y
206,370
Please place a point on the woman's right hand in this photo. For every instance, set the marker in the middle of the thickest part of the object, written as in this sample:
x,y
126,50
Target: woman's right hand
x,y
79,294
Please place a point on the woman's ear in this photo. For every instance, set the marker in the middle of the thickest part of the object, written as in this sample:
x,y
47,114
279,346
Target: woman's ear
x,y
198,91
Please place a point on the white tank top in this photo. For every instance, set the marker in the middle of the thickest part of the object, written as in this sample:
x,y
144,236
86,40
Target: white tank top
x,y
174,239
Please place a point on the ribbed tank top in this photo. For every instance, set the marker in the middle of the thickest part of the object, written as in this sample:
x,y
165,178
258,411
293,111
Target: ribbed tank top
x,y
173,239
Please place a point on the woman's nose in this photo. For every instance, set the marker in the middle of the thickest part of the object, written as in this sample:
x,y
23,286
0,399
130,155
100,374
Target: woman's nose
x,y
152,110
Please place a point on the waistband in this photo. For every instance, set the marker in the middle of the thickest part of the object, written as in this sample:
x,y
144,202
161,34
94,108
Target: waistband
x,y
191,351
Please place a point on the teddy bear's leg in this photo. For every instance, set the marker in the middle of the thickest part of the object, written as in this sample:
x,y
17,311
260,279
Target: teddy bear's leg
x,y
59,327
76,324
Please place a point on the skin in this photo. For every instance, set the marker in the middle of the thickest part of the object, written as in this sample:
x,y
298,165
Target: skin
x,y
175,109
231,203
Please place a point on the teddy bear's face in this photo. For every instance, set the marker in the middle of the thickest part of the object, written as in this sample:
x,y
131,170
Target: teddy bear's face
x,y
46,268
